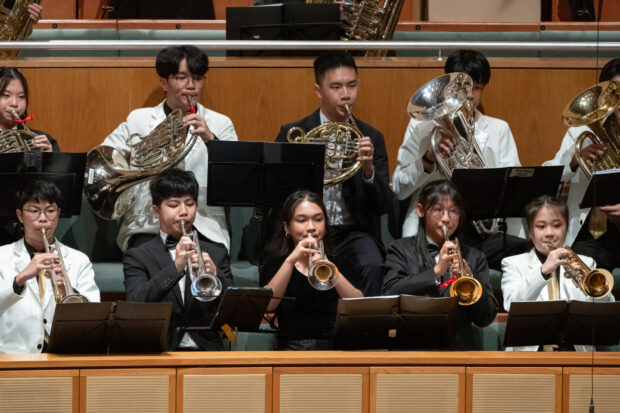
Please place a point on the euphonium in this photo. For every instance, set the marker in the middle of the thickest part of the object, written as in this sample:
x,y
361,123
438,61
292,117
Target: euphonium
x,y
341,147
465,287
595,283
63,292
15,24
205,285
17,140
322,274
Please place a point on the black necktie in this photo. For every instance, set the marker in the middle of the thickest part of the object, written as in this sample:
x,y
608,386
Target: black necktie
x,y
432,249
171,242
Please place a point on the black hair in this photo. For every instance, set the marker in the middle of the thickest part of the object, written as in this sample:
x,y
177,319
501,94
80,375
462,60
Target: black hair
x,y
168,60
432,194
471,62
7,74
611,69
173,182
534,206
332,60
38,191
280,244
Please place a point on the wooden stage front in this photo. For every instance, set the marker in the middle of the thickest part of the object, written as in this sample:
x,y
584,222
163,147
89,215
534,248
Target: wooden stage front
x,y
324,382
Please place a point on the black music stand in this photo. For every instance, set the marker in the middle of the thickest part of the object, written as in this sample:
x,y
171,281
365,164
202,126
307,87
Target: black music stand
x,y
109,328
396,322
601,190
66,170
563,323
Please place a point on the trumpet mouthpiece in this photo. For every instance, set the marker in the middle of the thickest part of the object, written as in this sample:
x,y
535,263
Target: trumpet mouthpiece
x,y
444,229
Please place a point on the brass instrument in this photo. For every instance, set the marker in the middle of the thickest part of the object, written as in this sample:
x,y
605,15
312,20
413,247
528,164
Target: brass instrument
x,y
109,174
322,273
443,100
341,147
369,20
63,292
205,285
17,140
595,283
15,24
466,288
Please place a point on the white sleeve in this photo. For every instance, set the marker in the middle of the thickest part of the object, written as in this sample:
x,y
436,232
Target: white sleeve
x,y
520,283
508,154
565,154
85,277
409,168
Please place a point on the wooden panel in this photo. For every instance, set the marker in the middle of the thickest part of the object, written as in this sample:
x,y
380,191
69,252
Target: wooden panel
x,y
406,389
224,390
135,390
600,384
39,391
58,9
536,390
320,389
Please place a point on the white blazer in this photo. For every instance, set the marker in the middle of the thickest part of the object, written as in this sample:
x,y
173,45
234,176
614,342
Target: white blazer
x,y
522,281
498,150
24,318
578,181
210,221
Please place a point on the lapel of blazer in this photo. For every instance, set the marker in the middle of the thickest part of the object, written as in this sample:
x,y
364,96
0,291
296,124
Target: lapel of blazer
x,y
311,121
163,259
533,261
22,259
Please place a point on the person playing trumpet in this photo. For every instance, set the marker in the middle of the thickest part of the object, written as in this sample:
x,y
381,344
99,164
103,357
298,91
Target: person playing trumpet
x,y
156,271
537,275
425,263
307,322
27,301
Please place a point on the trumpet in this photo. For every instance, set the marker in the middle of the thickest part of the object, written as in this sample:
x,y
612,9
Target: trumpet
x,y
205,285
465,287
595,283
322,274
63,292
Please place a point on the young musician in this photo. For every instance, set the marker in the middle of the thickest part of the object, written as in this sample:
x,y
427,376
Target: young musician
x,y
604,249
425,263
156,271
307,322
355,206
182,72
538,275
416,163
27,302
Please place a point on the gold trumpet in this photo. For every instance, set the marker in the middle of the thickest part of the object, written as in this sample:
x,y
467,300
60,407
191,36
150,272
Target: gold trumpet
x,y
322,273
63,292
466,288
595,283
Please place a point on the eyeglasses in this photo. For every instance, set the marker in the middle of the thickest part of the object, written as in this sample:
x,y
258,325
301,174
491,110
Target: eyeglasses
x,y
437,212
36,213
183,80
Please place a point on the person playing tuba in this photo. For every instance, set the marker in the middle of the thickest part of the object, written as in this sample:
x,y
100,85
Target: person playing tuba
x,y
27,295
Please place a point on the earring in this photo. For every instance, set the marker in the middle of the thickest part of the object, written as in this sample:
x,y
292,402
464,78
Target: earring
x,y
287,235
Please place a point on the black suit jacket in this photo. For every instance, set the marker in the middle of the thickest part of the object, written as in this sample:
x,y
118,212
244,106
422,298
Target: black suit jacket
x,y
366,202
151,277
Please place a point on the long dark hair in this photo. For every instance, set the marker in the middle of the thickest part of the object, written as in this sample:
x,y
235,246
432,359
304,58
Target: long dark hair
x,y
7,74
432,194
280,244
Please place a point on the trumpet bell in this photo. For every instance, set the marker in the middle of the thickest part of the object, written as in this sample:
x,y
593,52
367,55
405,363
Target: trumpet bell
x,y
72,299
323,275
598,283
467,289
206,288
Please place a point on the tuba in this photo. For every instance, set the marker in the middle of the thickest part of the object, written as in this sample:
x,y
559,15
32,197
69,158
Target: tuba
x,y
205,285
109,174
444,101
595,283
15,24
369,20
341,147
17,140
465,287
322,273
63,292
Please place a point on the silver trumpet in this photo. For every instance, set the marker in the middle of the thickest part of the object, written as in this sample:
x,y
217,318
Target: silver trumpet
x,y
63,292
205,285
322,273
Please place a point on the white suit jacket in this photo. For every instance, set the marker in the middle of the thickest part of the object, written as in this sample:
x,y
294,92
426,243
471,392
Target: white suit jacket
x,y
24,317
522,281
498,150
578,181
210,221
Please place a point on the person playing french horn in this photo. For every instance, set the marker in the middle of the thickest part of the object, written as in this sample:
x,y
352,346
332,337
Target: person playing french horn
x,y
427,264
27,296
158,270
290,270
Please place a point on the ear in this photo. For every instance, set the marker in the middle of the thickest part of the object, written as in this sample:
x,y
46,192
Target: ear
x,y
18,212
164,84
156,211
420,210
317,91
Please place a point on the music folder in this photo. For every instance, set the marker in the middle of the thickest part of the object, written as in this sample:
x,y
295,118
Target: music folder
x,y
602,189
111,327
395,322
563,323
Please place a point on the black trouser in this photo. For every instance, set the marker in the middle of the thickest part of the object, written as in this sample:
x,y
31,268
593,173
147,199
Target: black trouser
x,y
605,250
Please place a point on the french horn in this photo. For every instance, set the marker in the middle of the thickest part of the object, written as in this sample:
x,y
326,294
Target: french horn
x,y
17,140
